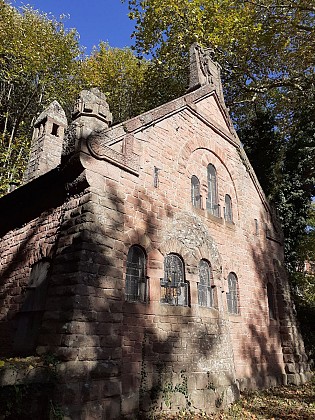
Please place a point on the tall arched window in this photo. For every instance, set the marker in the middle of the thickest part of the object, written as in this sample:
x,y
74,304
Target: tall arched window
x,y
195,192
232,295
271,301
205,290
136,279
174,289
212,200
228,215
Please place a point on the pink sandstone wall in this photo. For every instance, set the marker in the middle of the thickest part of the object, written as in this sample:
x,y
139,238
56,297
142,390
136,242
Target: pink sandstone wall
x,y
118,356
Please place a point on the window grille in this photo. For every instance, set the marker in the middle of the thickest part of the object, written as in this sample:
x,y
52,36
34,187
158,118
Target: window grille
x,y
232,295
271,301
205,290
195,192
212,201
228,215
174,289
136,279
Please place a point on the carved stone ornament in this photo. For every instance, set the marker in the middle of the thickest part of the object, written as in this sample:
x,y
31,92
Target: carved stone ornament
x,y
92,102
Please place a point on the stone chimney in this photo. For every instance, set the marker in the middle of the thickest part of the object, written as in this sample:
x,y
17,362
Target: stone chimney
x,y
204,70
91,114
46,146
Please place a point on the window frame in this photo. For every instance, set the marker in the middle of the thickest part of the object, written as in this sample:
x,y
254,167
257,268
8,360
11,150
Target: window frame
x,y
136,285
232,296
174,287
195,192
213,205
228,209
205,289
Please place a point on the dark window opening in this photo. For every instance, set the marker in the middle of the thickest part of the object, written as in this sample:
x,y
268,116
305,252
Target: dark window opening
x,y
195,192
271,301
228,215
232,295
55,129
136,280
29,318
256,227
205,289
213,206
174,289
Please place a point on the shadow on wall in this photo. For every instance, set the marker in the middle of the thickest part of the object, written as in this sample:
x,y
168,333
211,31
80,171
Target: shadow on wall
x,y
262,347
108,349
33,225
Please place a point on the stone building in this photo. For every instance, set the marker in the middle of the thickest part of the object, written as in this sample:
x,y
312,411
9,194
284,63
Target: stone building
x,y
146,259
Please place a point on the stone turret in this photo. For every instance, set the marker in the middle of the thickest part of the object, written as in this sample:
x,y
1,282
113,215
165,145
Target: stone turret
x,y
91,114
47,142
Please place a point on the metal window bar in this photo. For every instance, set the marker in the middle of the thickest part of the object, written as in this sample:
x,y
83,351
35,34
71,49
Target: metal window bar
x,y
228,216
174,290
205,295
195,192
232,295
213,209
205,291
136,283
174,294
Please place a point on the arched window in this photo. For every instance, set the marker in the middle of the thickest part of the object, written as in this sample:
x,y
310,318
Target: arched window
x,y
136,279
29,319
232,295
205,290
271,301
228,215
174,289
212,200
195,192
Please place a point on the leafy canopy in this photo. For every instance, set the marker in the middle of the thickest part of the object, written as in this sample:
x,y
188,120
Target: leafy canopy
x,y
120,75
37,65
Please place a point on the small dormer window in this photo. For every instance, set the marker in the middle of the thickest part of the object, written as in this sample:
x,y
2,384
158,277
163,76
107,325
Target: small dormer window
x,y
55,129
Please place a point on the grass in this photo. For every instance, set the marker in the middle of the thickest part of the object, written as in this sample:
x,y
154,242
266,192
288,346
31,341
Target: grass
x,y
285,403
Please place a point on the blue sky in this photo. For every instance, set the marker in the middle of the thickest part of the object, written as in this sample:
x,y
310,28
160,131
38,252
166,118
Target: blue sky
x,y
95,20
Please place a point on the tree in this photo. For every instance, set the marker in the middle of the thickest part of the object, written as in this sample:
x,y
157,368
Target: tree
x,y
120,75
37,65
265,148
298,184
266,48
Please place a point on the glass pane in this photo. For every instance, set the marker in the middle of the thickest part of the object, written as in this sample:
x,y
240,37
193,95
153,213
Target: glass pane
x,y
228,208
205,291
212,201
135,274
195,192
173,286
232,295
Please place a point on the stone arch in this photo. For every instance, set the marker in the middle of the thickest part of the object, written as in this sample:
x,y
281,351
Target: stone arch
x,y
187,236
185,159
138,237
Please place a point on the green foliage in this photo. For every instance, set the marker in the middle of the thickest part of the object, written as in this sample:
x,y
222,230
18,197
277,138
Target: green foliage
x,y
37,65
264,147
266,48
120,75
